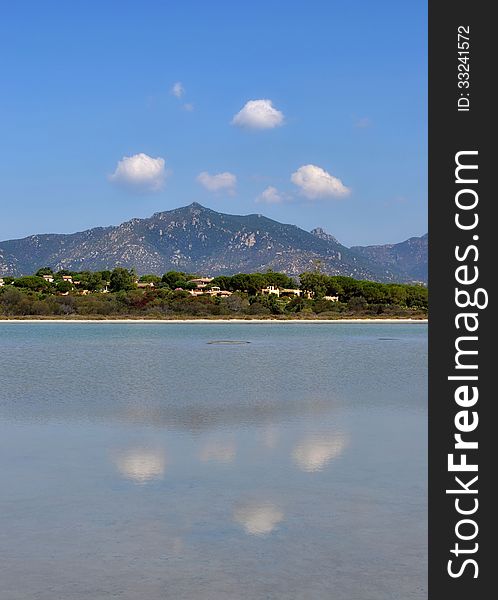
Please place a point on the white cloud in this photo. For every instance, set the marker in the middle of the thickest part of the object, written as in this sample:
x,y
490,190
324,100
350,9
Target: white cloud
x,y
258,114
178,90
270,195
315,182
219,182
189,107
140,171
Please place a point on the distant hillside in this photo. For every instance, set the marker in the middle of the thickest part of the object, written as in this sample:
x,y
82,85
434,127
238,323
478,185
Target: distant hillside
x,y
409,259
199,240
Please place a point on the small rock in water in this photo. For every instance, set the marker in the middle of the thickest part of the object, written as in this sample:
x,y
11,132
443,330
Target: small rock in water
x,y
229,342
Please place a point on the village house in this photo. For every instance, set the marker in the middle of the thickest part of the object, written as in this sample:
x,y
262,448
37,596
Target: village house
x,y
331,298
201,282
49,278
145,284
270,290
290,293
68,278
203,289
2,282
281,292
215,291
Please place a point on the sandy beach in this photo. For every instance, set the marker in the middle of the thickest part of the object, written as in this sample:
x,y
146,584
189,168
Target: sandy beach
x,y
216,321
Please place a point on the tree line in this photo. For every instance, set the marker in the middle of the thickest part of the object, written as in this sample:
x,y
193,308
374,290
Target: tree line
x,y
322,295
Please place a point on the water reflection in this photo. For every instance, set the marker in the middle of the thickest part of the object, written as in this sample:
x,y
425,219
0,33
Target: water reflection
x,y
141,465
187,411
258,518
182,470
269,437
221,451
315,452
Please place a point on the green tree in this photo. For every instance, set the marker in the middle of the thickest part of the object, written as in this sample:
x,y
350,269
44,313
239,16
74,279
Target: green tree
x,y
296,304
150,278
44,271
255,283
122,279
314,283
13,301
64,272
334,287
240,282
280,280
357,304
417,297
374,293
271,302
397,294
351,287
32,282
106,275
175,279
63,286
224,282
95,282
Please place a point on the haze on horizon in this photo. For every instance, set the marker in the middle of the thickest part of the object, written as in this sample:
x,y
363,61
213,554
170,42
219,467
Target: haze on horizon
x,y
319,120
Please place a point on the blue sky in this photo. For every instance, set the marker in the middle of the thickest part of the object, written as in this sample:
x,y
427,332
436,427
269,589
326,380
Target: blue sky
x,y
339,143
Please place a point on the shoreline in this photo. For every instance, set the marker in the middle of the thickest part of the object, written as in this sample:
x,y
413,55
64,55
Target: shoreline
x,y
217,321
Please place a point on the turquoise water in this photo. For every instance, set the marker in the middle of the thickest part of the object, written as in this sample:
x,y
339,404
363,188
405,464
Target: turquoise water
x,y
141,461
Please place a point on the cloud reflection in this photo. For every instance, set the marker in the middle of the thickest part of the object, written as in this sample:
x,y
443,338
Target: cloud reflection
x,y
141,465
258,518
315,452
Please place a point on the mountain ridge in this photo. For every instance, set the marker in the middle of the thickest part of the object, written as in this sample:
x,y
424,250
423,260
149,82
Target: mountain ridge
x,y
198,239
410,257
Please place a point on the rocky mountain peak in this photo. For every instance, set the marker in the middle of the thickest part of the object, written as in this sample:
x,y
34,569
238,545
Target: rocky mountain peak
x,y
321,234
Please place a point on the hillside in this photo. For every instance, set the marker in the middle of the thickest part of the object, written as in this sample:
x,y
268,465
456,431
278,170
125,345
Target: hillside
x,y
197,239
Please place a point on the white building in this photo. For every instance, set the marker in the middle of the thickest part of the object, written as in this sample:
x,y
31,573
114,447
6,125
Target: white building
x,y
281,292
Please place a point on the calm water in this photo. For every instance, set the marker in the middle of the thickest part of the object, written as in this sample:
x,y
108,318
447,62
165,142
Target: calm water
x,y
143,462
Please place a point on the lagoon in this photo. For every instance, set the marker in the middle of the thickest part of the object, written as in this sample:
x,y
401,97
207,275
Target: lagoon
x,y
149,461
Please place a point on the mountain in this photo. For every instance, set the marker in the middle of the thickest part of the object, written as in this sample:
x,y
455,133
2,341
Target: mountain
x,y
409,258
321,234
197,240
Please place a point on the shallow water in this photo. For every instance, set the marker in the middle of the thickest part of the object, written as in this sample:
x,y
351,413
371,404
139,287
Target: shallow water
x,y
143,461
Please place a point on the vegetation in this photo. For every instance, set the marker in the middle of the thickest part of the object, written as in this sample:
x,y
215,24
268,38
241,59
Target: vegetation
x,y
120,294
